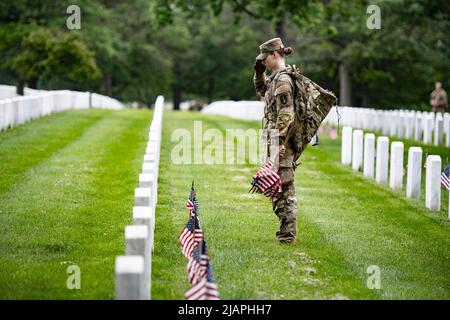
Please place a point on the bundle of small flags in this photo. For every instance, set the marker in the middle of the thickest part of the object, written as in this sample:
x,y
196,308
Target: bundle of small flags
x,y
266,181
445,180
194,248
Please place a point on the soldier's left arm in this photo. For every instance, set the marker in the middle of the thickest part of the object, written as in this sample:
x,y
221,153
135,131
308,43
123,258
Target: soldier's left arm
x,y
284,96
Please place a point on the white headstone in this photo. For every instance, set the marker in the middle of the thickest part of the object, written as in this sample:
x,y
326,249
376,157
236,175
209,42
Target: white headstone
x,y
154,135
400,125
142,197
428,128
2,115
148,167
433,183
151,157
409,124
146,180
418,127
145,216
392,123
396,169
447,131
446,116
382,161
130,277
151,150
152,145
357,151
137,241
346,148
369,155
414,178
438,130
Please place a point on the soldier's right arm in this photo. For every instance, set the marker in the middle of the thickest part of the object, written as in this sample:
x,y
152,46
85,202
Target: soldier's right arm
x,y
260,81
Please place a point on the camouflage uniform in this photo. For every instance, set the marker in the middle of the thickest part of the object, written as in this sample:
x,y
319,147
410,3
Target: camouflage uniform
x,y
440,98
279,114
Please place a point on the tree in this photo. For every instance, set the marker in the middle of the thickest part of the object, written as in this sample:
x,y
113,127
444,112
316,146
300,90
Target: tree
x,y
211,56
46,55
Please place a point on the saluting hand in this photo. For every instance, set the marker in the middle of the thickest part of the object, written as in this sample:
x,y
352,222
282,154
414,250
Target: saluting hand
x,y
259,67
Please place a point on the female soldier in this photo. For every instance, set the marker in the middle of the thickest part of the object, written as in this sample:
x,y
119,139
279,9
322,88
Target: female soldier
x,y
279,113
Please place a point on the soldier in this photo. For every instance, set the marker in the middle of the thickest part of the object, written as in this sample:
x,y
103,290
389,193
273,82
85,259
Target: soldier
x,y
279,113
438,100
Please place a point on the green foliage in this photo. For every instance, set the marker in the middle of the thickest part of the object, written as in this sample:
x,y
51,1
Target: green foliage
x,y
30,63
45,55
217,64
204,49
386,65
70,57
302,12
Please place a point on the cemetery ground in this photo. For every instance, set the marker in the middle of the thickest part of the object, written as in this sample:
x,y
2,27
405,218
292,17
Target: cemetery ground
x,y
66,193
346,223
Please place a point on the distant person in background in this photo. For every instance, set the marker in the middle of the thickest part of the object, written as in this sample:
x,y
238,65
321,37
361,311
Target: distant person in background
x,y
439,102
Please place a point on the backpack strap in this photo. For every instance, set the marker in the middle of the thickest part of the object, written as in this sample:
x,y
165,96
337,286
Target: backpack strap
x,y
285,71
292,129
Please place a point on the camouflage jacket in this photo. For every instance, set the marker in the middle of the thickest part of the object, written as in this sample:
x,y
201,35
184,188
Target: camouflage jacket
x,y
279,112
440,98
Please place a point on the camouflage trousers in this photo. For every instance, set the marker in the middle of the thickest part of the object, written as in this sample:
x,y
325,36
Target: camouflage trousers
x,y
285,206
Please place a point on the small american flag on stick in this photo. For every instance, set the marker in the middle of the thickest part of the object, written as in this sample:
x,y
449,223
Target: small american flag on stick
x,y
204,285
197,264
445,177
191,236
192,233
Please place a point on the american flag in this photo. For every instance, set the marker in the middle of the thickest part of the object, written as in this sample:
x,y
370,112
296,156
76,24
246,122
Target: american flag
x,y
445,177
197,264
266,181
190,236
204,287
194,248
192,205
192,233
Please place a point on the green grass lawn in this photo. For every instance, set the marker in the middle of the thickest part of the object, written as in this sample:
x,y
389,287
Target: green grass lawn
x,y
66,193
346,224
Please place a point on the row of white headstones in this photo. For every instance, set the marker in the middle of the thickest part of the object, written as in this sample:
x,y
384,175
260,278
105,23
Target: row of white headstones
x,y
133,270
358,150
15,111
426,127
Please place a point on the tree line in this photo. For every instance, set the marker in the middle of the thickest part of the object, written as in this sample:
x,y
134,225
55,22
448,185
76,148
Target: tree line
x,y
204,50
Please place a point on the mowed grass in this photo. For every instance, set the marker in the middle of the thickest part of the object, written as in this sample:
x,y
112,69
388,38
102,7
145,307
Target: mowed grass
x,y
346,223
66,193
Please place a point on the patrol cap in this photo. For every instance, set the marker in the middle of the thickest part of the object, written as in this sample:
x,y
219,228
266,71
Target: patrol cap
x,y
269,46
